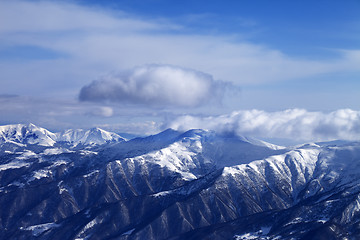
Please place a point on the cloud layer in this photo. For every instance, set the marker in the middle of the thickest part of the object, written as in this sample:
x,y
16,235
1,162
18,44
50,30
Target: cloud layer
x,y
155,85
292,126
295,124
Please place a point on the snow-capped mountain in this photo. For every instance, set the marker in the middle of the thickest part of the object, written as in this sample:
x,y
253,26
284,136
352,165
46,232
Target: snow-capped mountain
x,y
27,134
179,185
94,136
33,135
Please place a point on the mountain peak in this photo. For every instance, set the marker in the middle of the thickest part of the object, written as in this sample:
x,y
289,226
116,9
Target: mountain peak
x,y
93,136
196,132
96,129
27,134
32,126
32,134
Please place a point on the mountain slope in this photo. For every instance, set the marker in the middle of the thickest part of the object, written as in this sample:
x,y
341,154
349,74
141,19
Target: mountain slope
x,y
21,134
94,136
26,134
180,185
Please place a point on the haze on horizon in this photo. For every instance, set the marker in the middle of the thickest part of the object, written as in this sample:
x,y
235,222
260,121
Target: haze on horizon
x,y
269,70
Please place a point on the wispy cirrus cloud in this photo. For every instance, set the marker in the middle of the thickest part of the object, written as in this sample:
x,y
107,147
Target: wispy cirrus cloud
x,y
293,124
91,41
52,17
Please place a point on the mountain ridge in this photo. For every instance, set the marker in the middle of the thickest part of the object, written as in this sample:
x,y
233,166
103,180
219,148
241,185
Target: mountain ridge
x,y
32,134
180,185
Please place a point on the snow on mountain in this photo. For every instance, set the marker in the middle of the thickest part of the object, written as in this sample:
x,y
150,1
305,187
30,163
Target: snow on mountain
x,y
258,142
27,134
30,134
193,153
94,136
176,185
315,185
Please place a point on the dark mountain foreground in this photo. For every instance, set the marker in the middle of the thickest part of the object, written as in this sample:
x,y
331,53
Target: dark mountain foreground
x,y
174,185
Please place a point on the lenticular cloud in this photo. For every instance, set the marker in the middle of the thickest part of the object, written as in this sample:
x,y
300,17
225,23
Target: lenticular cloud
x,y
156,85
292,124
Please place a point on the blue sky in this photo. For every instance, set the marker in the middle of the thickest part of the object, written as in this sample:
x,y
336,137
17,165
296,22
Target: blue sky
x,y
302,28
140,66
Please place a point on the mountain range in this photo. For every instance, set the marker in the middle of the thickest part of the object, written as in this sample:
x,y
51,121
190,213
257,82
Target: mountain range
x,y
198,184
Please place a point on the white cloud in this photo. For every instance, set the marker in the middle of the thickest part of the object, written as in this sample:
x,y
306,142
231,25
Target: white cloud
x,y
295,124
156,85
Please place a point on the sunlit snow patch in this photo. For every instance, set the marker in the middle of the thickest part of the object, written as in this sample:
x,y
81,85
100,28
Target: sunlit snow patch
x,y
259,235
56,151
26,154
39,229
84,234
13,164
87,152
91,173
40,174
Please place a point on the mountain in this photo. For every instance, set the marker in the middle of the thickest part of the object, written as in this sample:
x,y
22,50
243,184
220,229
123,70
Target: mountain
x,y
196,184
21,134
94,136
27,134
